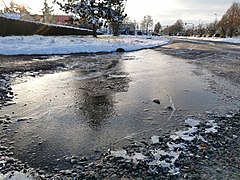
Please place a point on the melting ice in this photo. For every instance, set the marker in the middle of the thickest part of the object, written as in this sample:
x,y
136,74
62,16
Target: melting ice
x,y
166,158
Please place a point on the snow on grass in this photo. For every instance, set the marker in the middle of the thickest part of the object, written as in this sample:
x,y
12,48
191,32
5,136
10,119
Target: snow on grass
x,y
29,45
235,40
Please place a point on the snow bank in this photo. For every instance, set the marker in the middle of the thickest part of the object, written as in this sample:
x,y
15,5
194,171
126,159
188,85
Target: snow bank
x,y
11,15
235,40
29,45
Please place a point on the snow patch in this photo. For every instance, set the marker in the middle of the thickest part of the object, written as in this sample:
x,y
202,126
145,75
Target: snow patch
x,y
192,122
167,157
42,45
15,176
235,40
155,139
139,156
120,153
212,127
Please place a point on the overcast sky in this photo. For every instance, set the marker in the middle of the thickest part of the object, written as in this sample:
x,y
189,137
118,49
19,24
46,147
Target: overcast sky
x,y
169,11
166,12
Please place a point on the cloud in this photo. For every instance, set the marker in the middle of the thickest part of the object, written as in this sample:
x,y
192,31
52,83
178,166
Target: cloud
x,y
169,12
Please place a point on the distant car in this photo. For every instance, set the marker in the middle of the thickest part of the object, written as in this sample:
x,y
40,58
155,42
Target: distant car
x,y
155,34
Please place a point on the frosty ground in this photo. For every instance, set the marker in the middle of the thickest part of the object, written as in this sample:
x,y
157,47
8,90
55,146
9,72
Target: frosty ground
x,y
203,149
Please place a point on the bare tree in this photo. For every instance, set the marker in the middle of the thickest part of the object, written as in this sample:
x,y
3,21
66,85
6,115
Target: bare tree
x,y
175,29
16,8
146,23
212,28
230,22
178,26
223,26
114,13
233,14
201,30
127,20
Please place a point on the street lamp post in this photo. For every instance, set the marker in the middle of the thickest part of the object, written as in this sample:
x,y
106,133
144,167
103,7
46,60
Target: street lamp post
x,y
216,16
135,27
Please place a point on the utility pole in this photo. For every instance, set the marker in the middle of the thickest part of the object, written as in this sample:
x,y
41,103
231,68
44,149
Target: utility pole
x,y
216,16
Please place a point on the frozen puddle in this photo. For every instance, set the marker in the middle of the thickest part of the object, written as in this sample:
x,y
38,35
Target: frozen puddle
x,y
96,105
178,144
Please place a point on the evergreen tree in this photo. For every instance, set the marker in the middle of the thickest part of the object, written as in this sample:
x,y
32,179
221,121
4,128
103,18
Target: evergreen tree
x,y
212,28
157,27
94,11
175,29
114,14
87,10
47,13
178,26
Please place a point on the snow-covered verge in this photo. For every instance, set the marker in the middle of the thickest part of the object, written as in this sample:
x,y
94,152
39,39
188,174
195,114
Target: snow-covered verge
x,y
29,45
11,15
235,40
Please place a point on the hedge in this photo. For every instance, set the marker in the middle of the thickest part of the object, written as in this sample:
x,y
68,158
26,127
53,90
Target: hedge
x,y
14,27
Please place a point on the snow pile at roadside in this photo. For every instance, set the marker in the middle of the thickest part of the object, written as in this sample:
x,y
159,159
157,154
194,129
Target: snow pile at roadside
x,y
235,40
28,45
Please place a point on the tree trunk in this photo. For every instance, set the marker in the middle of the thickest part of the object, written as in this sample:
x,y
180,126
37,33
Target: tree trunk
x,y
94,30
231,32
115,28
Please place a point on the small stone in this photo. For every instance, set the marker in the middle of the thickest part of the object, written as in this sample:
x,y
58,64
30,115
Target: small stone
x,y
8,118
113,177
39,143
68,172
169,108
157,101
84,158
99,166
10,160
219,170
56,169
68,159
41,172
120,50
73,161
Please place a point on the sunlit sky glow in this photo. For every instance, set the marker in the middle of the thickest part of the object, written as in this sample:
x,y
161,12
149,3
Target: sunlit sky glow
x,y
165,11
